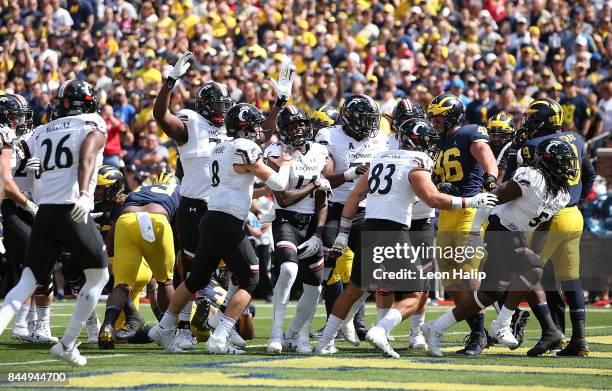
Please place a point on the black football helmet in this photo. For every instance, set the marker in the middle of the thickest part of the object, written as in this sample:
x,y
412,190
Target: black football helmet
x,y
557,162
212,102
74,97
445,111
418,134
501,131
244,121
293,126
324,117
360,116
404,110
110,184
16,113
542,116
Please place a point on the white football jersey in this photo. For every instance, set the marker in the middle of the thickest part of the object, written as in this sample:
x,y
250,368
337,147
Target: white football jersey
x,y
230,191
390,194
535,206
202,137
58,145
304,169
23,178
420,210
348,152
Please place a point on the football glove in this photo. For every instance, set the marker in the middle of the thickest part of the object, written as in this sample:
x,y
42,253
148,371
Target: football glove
x,y
324,185
33,164
181,66
285,82
448,188
81,209
29,207
340,243
310,247
489,182
481,200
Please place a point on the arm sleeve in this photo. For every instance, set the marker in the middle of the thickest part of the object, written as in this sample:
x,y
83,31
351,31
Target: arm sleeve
x,y
511,165
588,177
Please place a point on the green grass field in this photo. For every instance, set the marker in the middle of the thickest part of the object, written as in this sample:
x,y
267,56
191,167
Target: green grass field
x,y
142,367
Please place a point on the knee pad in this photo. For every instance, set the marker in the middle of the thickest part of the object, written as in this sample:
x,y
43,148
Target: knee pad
x,y
97,277
286,252
249,282
314,273
44,289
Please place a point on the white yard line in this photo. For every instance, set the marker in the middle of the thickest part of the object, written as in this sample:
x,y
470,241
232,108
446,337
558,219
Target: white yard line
x,y
6,364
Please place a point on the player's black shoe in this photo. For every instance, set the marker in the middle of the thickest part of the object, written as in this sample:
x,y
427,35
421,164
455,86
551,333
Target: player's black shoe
x,y
547,342
517,325
133,323
106,337
577,347
319,333
490,340
201,314
474,343
359,323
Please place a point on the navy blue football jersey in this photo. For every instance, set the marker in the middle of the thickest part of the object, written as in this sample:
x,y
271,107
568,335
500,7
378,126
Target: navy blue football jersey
x,y
454,162
580,185
165,195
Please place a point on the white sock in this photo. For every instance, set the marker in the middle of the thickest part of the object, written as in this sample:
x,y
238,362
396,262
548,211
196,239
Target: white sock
x,y
331,329
351,314
93,318
32,315
381,312
185,314
43,313
214,320
282,290
96,279
21,319
417,320
305,309
391,319
168,321
304,333
445,321
16,296
505,315
225,326
231,289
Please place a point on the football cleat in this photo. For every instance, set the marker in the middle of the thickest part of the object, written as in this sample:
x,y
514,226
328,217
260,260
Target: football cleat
x,y
275,346
303,346
518,323
42,333
329,348
349,333
236,339
72,356
502,333
21,333
577,347
289,342
133,323
221,345
416,340
378,338
185,339
201,314
319,333
106,337
474,343
93,329
165,338
433,337
547,342
559,347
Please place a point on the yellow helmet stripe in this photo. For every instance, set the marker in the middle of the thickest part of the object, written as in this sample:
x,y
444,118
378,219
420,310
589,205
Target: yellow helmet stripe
x,y
436,109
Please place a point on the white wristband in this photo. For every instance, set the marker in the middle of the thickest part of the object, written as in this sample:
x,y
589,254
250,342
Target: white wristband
x,y
278,180
351,174
456,202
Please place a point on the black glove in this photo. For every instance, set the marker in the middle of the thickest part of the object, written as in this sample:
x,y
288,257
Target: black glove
x,y
490,182
448,188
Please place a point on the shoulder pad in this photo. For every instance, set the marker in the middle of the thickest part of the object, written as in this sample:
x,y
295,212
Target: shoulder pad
x,y
323,136
273,149
7,135
246,152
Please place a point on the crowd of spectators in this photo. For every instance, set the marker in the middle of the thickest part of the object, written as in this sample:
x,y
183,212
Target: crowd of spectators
x,y
496,55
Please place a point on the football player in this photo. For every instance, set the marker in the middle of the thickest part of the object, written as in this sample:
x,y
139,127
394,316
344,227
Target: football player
x,y
196,133
142,230
324,117
351,146
301,211
465,165
233,166
422,232
70,148
526,202
501,133
542,121
394,181
32,323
